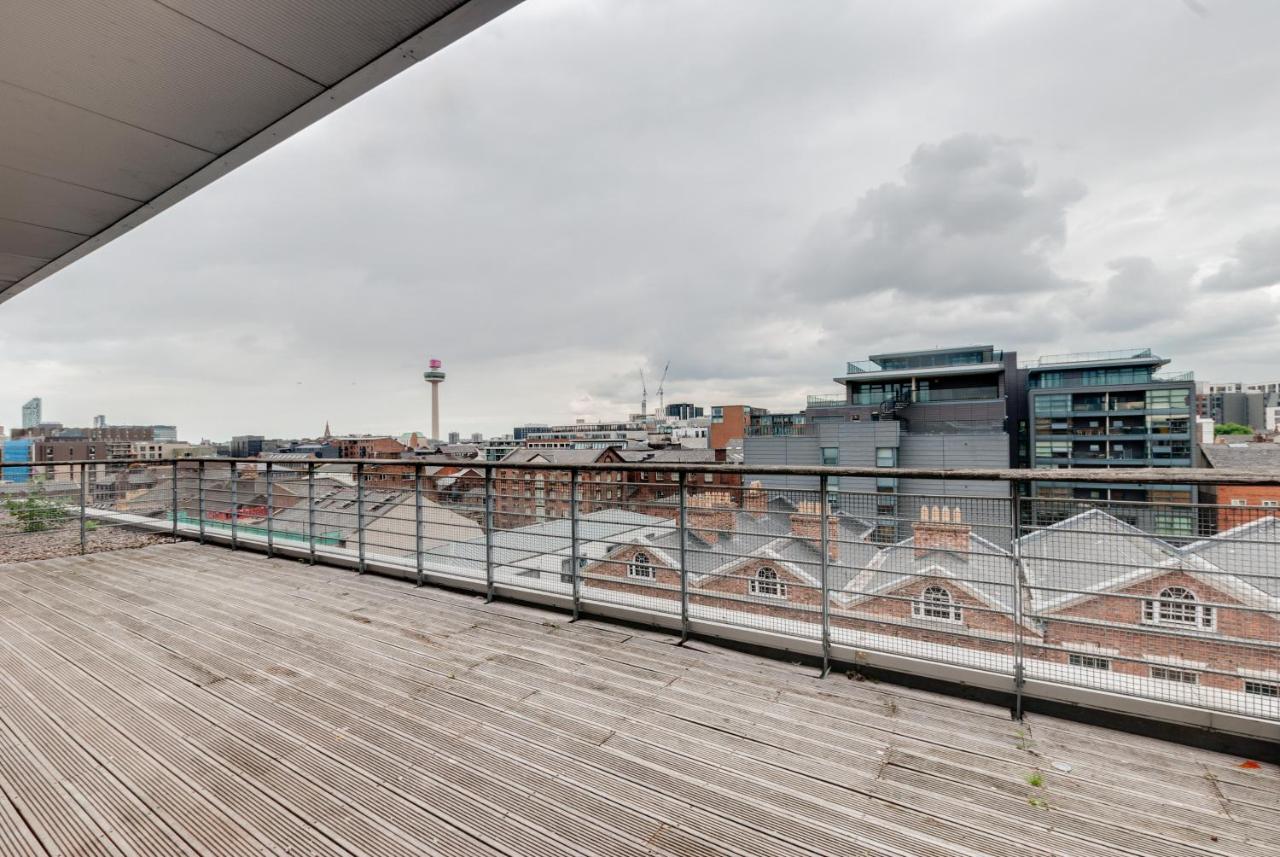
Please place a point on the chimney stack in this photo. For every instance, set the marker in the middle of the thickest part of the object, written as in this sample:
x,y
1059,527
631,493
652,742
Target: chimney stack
x,y
710,515
940,528
806,524
754,499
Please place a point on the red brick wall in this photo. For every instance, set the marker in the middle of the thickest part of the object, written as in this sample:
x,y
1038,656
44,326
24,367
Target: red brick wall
x,y
891,616
1253,495
1140,641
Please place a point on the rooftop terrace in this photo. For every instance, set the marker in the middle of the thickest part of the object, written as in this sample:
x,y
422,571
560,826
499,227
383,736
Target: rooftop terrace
x,y
185,698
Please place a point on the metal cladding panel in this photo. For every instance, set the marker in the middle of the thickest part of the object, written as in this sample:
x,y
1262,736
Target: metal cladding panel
x,y
57,205
341,34
111,112
147,66
68,145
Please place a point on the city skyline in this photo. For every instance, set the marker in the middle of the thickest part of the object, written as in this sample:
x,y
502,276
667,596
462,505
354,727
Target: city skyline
x,y
854,176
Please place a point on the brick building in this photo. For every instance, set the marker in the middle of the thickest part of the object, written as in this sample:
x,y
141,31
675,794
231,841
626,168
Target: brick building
x,y
1242,504
1104,603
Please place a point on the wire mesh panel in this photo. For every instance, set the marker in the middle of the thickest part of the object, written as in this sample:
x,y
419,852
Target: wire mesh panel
x,y
928,576
39,513
1122,603
1155,596
629,539
127,504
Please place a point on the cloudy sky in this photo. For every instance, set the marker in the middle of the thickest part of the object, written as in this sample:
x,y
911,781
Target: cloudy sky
x,y
754,191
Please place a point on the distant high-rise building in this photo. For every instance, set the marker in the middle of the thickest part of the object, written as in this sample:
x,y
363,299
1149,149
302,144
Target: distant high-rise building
x,y
477,437
31,413
455,437
100,421
165,433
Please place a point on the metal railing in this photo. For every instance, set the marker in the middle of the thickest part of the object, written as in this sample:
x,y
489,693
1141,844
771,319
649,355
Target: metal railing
x,y
1086,357
1163,609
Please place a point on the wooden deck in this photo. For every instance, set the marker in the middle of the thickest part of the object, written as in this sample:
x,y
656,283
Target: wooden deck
x,y
183,699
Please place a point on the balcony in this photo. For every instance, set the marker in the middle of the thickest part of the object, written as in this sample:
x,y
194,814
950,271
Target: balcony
x,y
258,702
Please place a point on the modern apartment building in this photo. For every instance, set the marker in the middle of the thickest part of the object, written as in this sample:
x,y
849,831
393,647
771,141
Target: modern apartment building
x,y
1112,409
942,408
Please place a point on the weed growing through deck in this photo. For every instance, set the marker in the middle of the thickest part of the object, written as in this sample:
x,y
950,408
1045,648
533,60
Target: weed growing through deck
x,y
1035,780
1038,802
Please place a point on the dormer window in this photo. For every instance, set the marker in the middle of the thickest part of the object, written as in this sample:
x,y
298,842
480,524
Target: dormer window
x,y
767,583
1177,606
641,567
936,603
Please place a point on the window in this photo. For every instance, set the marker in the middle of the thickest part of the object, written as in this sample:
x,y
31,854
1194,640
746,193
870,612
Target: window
x,y
1089,662
1177,606
1262,688
1055,404
766,583
1270,504
886,456
1239,501
936,603
830,456
641,567
1180,676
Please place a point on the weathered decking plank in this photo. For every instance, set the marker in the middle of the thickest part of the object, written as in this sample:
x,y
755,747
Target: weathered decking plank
x,y
188,699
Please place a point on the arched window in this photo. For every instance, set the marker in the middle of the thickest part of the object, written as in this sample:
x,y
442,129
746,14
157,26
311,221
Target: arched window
x,y
1178,606
767,583
936,603
641,567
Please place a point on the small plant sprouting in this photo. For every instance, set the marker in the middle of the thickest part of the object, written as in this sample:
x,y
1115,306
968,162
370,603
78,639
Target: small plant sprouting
x,y
1035,779
1038,802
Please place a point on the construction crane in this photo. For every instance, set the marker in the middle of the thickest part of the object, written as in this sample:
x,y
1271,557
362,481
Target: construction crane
x,y
644,395
662,410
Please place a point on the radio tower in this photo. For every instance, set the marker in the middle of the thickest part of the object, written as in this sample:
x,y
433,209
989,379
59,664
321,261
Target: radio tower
x,y
434,376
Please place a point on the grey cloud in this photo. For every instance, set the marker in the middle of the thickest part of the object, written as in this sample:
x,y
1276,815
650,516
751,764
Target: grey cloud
x,y
582,188
967,219
1255,265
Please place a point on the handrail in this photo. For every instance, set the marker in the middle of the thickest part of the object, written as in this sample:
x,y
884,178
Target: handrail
x,y
1169,476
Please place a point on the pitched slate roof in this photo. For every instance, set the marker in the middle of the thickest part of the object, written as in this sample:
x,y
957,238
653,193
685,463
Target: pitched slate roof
x,y
982,568
1089,552
1249,552
1252,457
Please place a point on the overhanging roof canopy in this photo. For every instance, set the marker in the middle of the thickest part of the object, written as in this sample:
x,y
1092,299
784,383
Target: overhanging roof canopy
x,y
113,110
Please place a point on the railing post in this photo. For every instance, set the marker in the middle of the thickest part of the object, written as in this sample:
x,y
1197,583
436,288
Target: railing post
x,y
573,536
200,498
417,522
824,508
311,510
175,498
684,560
488,534
360,516
84,476
270,507
1015,550
235,503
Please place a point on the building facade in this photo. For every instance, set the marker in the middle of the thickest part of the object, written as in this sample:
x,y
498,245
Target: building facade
x,y
1113,410
938,409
